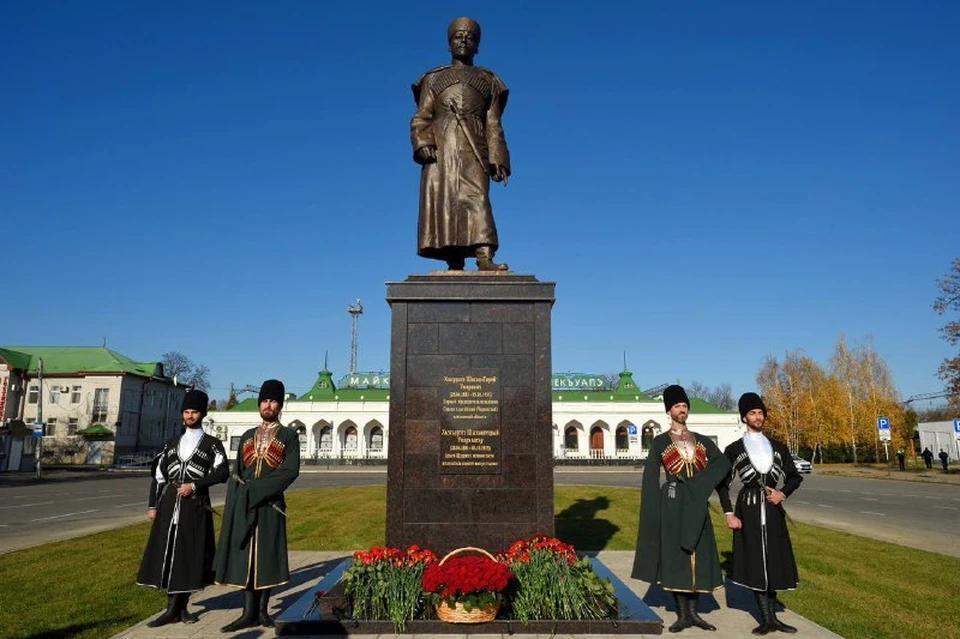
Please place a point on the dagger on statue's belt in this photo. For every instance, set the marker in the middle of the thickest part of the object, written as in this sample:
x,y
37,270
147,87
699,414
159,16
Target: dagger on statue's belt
x,y
469,136
241,480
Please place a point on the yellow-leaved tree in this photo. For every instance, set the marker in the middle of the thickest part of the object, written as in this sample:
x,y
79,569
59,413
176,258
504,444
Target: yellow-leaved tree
x,y
835,408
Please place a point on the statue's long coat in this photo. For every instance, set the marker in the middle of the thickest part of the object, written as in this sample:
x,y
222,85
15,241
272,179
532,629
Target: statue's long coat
x,y
458,111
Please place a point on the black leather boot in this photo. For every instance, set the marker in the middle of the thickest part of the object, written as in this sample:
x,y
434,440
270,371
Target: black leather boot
x,y
171,614
683,613
777,624
485,260
763,604
265,619
249,618
695,619
185,615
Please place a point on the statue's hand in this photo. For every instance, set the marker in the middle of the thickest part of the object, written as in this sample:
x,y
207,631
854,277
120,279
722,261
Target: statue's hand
x,y
498,173
425,155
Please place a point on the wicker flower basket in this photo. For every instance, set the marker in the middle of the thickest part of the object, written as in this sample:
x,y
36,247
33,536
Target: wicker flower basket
x,y
457,613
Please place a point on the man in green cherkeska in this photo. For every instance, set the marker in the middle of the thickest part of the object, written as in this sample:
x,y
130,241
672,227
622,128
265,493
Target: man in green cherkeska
x,y
252,553
675,545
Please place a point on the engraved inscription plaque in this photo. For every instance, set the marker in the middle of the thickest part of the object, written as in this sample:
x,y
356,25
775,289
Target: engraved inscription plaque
x,y
470,423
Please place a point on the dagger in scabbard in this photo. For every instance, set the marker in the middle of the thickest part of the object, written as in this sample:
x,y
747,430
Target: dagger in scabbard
x,y
241,480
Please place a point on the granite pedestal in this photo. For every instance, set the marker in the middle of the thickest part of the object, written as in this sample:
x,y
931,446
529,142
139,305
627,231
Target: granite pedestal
x,y
470,449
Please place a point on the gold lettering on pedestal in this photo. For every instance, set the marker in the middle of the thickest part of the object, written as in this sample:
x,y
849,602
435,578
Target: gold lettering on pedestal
x,y
470,438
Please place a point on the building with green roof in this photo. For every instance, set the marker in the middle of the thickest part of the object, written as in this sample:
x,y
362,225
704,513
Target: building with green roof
x,y
596,418
86,393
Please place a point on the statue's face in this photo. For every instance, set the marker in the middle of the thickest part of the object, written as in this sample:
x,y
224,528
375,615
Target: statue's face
x,y
464,44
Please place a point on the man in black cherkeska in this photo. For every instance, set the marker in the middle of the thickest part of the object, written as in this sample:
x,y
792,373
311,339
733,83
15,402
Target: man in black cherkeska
x,y
179,553
763,558
252,553
675,543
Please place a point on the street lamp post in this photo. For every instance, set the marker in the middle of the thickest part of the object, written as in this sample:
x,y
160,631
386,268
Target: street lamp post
x,y
39,449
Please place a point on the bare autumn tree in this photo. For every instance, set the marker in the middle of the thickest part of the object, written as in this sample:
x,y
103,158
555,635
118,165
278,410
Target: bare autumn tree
x,y
721,396
176,364
697,389
949,302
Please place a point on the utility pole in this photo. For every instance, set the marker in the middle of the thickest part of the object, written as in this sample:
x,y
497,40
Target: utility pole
x,y
39,449
355,310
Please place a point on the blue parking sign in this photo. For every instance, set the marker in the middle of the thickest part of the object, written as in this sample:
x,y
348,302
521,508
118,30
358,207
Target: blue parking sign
x,y
956,426
883,423
632,429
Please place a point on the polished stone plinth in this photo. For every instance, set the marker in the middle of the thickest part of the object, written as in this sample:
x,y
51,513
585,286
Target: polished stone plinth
x,y
470,447
320,611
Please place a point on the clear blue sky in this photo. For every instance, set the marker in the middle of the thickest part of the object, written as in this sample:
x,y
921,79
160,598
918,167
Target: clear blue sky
x,y
706,182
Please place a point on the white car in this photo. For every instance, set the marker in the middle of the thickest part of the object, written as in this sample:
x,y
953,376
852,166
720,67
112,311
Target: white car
x,y
802,465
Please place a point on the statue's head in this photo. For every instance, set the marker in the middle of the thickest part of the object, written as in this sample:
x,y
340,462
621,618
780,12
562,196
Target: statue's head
x,y
463,35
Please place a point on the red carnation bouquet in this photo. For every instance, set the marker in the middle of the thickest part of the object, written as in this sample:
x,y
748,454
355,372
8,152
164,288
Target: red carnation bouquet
x,y
467,582
553,583
384,583
521,550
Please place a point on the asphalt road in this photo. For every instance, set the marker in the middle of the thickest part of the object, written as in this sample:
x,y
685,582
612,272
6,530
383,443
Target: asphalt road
x,y
918,515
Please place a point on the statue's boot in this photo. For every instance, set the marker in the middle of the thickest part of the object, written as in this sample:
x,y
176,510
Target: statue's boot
x,y
265,619
695,619
777,624
764,605
171,614
185,615
485,260
683,613
456,264
249,618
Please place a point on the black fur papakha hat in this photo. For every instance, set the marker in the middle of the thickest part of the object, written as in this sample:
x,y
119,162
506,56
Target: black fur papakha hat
x,y
195,400
674,394
272,389
750,401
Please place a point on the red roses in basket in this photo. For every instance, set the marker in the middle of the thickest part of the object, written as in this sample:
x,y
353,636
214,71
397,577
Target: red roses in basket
x,y
474,581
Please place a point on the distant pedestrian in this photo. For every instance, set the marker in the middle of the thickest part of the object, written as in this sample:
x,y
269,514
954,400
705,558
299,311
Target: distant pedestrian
x,y
927,455
900,457
944,458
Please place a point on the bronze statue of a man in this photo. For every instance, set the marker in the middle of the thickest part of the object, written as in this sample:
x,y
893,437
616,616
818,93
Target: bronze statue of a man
x,y
457,137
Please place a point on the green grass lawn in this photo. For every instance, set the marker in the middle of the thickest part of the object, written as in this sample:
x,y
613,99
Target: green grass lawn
x,y
854,586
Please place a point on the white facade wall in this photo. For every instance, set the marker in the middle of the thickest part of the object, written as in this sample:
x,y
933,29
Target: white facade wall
x,y
142,413
352,428
939,436
312,418
585,417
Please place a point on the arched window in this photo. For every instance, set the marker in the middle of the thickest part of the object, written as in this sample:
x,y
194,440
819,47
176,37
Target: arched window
x,y
326,438
647,433
350,438
570,440
376,438
622,441
596,441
